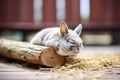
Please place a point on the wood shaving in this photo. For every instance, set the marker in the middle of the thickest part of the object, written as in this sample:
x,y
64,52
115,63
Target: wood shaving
x,y
89,67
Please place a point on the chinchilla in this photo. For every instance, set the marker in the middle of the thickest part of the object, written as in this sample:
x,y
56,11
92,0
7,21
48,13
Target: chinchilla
x,y
64,40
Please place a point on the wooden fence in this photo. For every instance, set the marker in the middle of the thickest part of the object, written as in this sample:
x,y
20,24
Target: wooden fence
x,y
20,13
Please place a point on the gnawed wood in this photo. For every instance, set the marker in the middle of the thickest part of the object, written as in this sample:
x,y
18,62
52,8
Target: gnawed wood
x,y
24,51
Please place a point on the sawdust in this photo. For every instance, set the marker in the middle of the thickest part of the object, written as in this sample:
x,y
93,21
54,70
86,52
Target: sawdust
x,y
88,66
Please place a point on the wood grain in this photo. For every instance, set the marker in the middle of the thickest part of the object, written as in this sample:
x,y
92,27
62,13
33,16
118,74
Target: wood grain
x,y
24,51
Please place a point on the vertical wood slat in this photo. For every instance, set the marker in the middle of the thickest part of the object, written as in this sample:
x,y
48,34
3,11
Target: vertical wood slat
x,y
116,6
49,11
8,11
104,10
73,11
26,10
16,11
2,10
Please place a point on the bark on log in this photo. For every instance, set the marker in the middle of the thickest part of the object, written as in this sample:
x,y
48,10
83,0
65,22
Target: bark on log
x,y
24,51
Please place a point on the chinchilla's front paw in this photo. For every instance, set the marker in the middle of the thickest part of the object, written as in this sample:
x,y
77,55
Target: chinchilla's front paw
x,y
56,46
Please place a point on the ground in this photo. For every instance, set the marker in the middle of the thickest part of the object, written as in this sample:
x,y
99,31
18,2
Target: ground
x,y
11,70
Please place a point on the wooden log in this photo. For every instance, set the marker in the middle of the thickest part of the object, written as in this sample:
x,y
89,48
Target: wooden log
x,y
24,51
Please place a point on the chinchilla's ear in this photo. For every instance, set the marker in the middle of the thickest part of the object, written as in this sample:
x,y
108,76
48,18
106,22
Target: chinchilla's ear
x,y
63,28
78,29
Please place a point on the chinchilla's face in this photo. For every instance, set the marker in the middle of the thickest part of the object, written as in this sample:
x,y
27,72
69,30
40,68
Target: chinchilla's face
x,y
70,43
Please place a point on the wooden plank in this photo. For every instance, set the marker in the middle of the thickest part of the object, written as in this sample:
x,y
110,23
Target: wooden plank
x,y
49,11
73,11
48,76
11,70
16,11
24,75
5,64
36,27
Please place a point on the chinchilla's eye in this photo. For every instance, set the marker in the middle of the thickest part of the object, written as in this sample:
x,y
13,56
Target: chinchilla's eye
x,y
71,41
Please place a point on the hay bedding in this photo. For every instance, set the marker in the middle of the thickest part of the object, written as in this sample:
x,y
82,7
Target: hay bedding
x,y
87,66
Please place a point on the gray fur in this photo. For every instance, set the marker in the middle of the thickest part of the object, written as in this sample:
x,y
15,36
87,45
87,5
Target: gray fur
x,y
66,45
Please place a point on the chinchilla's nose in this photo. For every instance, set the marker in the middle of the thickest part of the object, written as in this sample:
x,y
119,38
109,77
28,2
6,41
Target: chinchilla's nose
x,y
77,50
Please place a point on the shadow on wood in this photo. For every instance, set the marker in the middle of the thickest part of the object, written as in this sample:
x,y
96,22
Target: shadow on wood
x,y
35,54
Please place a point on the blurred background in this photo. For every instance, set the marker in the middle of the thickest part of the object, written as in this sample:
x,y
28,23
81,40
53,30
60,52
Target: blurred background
x,y
21,19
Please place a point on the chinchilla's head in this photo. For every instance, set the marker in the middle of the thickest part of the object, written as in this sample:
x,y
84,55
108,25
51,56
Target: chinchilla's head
x,y
70,41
